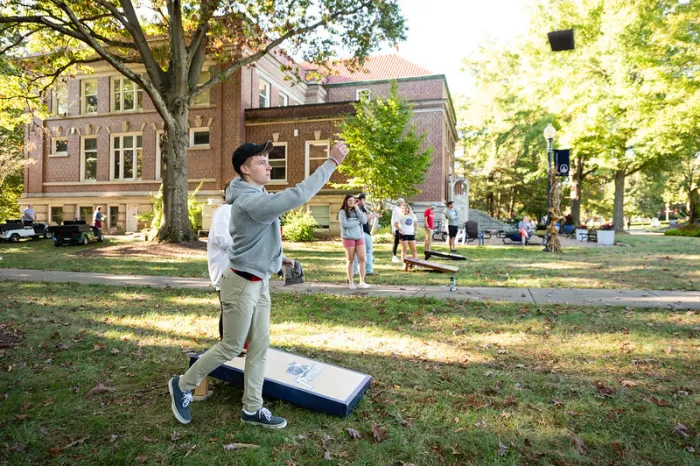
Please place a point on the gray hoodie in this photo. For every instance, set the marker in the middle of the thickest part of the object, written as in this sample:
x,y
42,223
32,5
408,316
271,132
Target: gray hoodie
x,y
351,227
255,225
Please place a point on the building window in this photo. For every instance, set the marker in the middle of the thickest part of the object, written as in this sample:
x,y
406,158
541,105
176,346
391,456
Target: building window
x,y
264,94
160,137
278,162
316,153
284,100
56,214
199,138
203,97
362,94
126,95
126,156
322,215
60,102
89,161
89,96
113,216
59,146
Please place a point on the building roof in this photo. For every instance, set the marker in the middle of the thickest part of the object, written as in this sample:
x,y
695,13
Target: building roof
x,y
376,68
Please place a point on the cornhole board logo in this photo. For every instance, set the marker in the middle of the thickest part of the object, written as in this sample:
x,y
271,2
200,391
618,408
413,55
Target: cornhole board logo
x,y
302,381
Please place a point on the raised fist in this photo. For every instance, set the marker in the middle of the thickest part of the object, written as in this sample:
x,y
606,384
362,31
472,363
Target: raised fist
x,y
339,151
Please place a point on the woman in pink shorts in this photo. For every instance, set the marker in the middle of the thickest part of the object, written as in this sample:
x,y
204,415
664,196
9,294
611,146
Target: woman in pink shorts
x,y
351,220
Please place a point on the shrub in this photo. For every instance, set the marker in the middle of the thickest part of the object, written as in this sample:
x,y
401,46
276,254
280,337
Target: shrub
x,y
299,225
607,226
688,230
152,218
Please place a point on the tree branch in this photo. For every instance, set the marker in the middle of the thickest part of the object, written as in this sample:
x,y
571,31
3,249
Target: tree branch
x,y
256,56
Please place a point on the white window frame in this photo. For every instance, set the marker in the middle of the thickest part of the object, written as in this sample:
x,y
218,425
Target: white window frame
x,y
201,129
159,134
51,209
83,159
112,175
83,97
203,98
364,90
60,93
285,99
53,147
137,95
286,165
307,165
266,95
329,215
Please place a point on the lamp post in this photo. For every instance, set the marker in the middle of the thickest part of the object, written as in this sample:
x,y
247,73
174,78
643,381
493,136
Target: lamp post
x,y
549,133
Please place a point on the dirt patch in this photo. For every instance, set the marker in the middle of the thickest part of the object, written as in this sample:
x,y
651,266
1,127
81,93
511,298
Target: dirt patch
x,y
10,337
149,249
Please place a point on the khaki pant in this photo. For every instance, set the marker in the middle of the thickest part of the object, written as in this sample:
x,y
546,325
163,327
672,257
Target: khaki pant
x,y
246,309
428,238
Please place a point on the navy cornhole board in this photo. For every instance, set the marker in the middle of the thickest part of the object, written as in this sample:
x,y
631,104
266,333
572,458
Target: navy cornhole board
x,y
302,381
444,255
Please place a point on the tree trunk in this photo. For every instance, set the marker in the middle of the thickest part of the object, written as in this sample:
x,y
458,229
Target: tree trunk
x,y
619,206
576,189
175,225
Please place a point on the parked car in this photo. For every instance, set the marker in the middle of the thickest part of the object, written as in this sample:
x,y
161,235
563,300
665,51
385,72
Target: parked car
x,y
75,232
15,230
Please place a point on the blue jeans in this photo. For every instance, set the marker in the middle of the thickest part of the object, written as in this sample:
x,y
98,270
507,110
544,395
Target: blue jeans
x,y
369,262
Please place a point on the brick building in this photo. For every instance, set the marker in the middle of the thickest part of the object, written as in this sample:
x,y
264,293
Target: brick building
x,y
100,147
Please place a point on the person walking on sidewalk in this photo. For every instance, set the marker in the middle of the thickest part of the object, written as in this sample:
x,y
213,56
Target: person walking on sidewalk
x,y
255,254
452,224
429,226
351,219
367,229
395,214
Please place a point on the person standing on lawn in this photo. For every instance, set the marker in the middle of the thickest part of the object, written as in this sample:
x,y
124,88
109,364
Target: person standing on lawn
x,y
452,224
395,214
406,226
255,254
429,226
367,228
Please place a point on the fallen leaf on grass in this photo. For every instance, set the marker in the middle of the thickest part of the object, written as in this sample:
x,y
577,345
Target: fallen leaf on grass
x,y
618,448
578,444
658,401
629,383
75,443
502,449
100,388
150,440
98,346
175,436
26,406
327,455
61,347
236,446
379,433
353,433
681,430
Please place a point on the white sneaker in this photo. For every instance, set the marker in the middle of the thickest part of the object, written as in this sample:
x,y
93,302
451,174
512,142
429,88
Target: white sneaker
x,y
352,286
395,259
363,285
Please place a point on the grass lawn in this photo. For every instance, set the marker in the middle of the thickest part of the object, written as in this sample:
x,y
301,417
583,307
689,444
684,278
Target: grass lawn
x,y
455,383
647,262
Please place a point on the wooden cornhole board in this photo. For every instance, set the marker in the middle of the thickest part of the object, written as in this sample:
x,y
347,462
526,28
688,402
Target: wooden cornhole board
x,y
410,262
301,381
444,255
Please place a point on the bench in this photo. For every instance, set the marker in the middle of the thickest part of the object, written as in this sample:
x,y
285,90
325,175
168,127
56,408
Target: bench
x,y
411,262
591,236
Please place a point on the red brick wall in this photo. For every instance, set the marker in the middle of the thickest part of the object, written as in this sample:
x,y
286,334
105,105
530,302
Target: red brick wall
x,y
423,89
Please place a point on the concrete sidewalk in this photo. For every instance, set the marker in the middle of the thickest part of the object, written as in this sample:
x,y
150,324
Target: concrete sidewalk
x,y
573,296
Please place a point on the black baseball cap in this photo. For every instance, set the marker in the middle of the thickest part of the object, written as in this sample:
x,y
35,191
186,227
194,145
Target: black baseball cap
x,y
362,196
246,151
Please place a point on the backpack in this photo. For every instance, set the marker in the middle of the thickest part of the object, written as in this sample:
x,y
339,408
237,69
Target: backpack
x,y
293,275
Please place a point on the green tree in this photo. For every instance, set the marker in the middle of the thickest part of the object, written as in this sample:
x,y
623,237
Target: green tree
x,y
171,40
386,157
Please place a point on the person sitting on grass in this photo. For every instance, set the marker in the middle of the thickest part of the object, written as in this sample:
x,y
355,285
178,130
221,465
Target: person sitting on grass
x,y
406,226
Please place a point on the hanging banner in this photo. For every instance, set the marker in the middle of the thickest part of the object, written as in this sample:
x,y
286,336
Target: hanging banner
x,y
561,161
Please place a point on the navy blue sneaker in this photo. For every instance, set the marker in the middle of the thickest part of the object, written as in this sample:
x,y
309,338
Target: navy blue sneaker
x,y
263,417
180,401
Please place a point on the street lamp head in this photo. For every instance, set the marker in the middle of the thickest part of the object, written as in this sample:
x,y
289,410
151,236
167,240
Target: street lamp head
x,y
549,132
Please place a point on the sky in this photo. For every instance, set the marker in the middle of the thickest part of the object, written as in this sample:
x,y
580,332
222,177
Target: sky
x,y
443,32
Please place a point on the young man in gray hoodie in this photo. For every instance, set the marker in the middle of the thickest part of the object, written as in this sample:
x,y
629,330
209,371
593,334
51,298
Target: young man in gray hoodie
x,y
256,253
